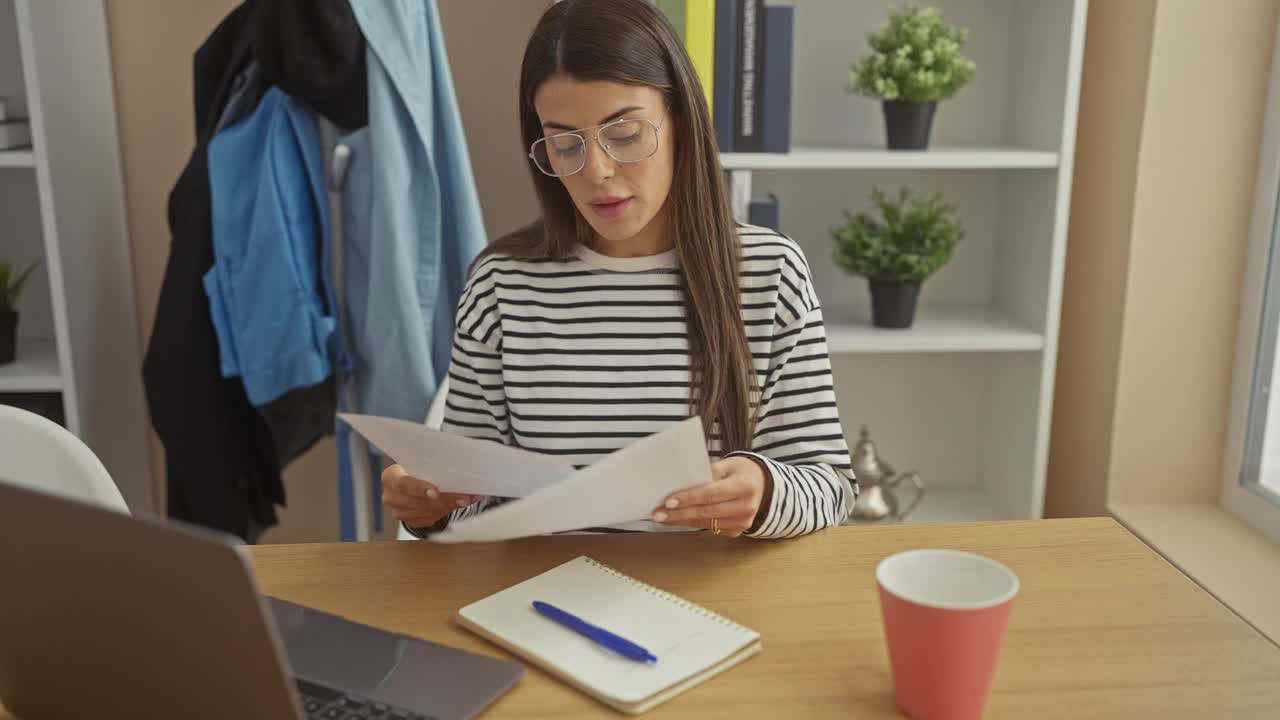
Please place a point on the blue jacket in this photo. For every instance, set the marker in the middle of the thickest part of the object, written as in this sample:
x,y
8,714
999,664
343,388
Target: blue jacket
x,y
412,219
268,289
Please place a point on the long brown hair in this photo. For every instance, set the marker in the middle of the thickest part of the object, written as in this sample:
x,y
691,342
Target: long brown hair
x,y
631,42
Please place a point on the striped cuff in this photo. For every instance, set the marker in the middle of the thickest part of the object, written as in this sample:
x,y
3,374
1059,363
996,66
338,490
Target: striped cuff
x,y
804,500
782,492
475,508
423,533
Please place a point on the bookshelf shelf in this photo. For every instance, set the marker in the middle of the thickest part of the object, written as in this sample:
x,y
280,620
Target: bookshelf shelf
x,y
17,159
942,158
937,329
952,505
35,370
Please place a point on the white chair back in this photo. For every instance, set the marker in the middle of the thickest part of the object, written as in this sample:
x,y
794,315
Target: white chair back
x,y
37,453
435,416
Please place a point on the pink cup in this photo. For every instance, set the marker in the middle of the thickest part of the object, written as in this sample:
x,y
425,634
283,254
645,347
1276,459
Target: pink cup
x,y
945,614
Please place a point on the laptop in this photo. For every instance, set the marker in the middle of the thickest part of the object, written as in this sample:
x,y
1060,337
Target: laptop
x,y
106,615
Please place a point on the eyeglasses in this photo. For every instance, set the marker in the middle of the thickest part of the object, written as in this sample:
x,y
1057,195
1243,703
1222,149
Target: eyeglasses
x,y
625,141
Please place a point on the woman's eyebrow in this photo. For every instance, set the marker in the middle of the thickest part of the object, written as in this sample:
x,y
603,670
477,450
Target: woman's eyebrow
x,y
553,125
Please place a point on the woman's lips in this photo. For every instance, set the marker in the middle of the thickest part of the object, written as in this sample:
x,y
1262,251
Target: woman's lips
x,y
611,207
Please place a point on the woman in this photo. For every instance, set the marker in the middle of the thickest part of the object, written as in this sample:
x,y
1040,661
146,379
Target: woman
x,y
636,301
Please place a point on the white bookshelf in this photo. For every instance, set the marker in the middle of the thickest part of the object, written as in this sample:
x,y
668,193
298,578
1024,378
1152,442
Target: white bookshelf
x,y
965,395
62,204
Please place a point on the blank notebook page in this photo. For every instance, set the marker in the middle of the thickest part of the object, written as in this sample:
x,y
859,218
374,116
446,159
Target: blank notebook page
x,y
686,638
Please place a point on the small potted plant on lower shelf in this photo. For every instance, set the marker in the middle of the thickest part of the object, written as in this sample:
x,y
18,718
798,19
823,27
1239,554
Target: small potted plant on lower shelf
x,y
11,282
911,239
915,61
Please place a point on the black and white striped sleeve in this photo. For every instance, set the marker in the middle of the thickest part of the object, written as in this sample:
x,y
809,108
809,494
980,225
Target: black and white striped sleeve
x,y
476,405
798,434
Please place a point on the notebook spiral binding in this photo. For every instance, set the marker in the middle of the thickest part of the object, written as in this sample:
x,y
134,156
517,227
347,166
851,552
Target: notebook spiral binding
x,y
673,599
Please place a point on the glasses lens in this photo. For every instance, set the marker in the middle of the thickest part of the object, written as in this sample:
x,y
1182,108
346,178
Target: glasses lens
x,y
630,140
560,155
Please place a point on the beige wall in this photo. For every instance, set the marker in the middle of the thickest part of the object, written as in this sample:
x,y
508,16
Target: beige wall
x,y
151,46
1117,51
1165,173
486,40
152,42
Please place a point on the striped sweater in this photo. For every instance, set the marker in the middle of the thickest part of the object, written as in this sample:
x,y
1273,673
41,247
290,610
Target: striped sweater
x,y
581,357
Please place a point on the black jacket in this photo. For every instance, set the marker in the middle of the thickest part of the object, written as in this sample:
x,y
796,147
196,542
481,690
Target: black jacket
x,y
221,459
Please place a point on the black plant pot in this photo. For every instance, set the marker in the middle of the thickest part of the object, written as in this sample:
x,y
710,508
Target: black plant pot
x,y
893,304
907,124
8,336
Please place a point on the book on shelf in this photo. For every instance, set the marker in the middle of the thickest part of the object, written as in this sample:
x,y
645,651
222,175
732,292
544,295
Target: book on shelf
x,y
743,52
700,41
749,41
779,47
765,212
727,62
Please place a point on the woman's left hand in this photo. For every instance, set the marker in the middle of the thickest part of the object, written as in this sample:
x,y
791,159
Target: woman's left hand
x,y
733,498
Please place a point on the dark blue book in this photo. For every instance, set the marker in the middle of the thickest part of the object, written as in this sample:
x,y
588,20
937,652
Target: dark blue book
x,y
779,44
765,212
726,72
749,105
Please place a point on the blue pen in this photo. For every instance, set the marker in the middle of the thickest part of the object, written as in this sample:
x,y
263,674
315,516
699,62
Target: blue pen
x,y
599,635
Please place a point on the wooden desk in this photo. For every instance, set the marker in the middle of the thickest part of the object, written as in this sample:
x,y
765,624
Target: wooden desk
x,y
1103,628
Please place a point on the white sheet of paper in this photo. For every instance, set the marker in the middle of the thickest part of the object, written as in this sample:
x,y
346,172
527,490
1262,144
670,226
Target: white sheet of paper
x,y
627,485
458,464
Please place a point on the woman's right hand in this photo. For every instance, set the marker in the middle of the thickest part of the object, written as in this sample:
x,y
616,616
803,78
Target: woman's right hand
x,y
416,502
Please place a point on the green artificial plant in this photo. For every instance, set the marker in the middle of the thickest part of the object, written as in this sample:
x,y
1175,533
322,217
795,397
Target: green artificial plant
x,y
912,238
12,281
915,57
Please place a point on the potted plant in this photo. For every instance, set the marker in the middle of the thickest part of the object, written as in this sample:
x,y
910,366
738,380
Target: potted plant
x,y
915,62
11,283
912,239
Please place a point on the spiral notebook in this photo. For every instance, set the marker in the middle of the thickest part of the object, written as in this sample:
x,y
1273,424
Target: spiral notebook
x,y
691,642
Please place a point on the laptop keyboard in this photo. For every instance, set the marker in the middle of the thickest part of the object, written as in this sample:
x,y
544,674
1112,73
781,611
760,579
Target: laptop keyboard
x,y
325,703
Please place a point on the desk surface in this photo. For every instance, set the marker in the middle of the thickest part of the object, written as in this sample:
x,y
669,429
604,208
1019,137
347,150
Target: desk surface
x,y
1103,627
